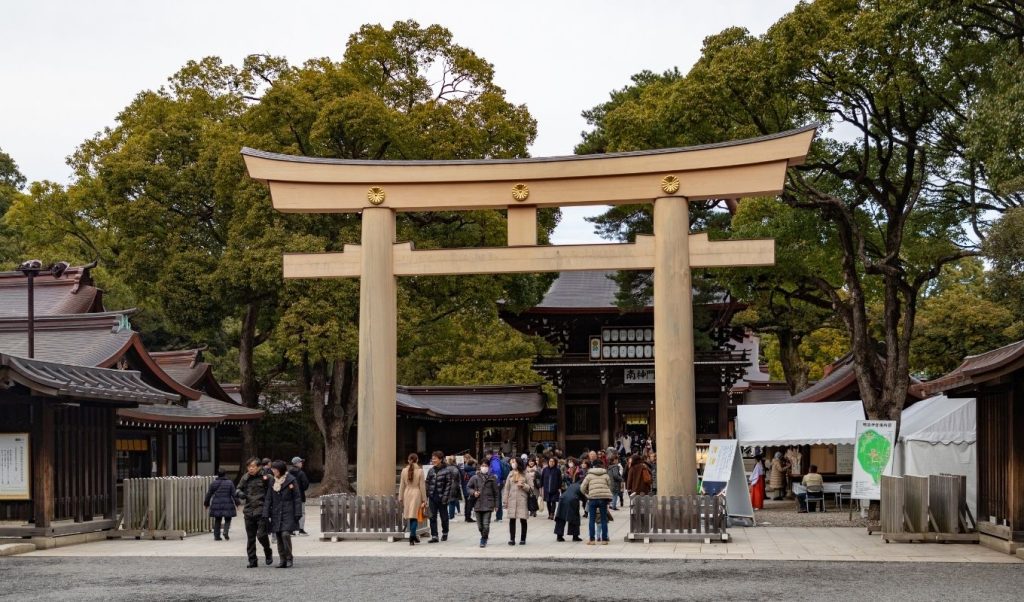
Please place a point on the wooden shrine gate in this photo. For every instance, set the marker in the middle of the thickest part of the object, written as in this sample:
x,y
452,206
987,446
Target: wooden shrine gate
x,y
668,178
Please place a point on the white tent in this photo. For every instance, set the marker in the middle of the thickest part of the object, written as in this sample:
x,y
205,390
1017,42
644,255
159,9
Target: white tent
x,y
824,423
938,436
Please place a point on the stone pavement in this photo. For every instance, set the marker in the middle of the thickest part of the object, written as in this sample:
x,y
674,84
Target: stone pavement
x,y
754,543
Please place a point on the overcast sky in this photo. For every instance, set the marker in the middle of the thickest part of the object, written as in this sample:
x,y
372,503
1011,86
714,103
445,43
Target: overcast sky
x,y
67,68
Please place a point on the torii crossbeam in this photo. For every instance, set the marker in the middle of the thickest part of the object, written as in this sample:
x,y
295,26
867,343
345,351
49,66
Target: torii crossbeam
x,y
667,177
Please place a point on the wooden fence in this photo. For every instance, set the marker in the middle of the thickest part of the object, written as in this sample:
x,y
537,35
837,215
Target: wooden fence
x,y
678,518
349,516
931,508
163,507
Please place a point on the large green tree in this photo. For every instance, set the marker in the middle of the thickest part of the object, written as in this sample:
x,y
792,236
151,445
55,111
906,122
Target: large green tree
x,y
164,200
890,176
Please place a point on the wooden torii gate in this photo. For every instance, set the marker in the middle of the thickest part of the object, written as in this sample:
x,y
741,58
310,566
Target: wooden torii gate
x,y
667,177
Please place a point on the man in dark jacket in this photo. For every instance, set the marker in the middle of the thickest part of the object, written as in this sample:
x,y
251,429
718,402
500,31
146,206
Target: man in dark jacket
x,y
303,481
483,490
439,493
252,489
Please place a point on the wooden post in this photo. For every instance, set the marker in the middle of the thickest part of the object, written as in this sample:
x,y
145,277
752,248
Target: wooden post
x,y
193,454
676,434
378,349
109,417
42,463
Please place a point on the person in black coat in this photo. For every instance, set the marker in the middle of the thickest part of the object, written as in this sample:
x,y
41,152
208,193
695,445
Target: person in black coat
x,y
220,500
283,508
568,513
303,481
551,485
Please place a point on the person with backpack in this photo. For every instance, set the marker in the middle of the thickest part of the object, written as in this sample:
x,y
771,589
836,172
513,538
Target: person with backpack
x,y
639,479
456,495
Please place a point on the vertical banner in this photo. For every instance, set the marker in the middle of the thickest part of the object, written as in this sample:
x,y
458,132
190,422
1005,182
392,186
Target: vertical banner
x,y
872,457
15,470
723,472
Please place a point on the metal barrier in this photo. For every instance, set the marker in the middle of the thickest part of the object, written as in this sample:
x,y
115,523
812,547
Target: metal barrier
x,y
164,507
349,516
678,518
931,508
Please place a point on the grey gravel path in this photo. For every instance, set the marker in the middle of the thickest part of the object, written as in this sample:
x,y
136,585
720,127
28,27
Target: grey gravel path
x,y
407,580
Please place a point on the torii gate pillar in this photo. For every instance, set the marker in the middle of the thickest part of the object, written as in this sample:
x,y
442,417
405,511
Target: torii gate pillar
x,y
676,431
378,354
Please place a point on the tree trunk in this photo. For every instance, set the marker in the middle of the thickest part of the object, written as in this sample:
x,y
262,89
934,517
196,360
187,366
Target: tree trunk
x,y
333,398
794,369
248,385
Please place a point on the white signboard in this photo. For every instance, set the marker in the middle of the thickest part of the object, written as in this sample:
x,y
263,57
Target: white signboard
x,y
872,457
15,474
638,376
723,473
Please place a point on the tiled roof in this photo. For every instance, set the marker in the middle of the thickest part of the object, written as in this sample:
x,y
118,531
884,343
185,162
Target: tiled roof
x,y
231,412
80,382
183,365
469,402
976,369
832,386
596,289
168,414
83,340
72,293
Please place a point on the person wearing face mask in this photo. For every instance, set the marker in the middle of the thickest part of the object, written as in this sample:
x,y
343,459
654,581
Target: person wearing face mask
x,y
483,489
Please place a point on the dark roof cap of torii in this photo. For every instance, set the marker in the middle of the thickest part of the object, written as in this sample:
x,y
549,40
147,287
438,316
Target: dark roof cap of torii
x,y
252,152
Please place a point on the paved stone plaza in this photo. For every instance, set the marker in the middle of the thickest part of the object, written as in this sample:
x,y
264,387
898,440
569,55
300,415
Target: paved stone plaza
x,y
756,543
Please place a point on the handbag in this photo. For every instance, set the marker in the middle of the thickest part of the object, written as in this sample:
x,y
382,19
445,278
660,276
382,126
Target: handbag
x,y
420,515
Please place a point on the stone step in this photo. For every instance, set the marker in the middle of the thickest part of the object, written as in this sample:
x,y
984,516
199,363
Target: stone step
x,y
10,549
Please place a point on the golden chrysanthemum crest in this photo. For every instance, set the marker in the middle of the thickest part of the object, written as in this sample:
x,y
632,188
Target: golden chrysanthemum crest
x,y
670,184
375,195
520,192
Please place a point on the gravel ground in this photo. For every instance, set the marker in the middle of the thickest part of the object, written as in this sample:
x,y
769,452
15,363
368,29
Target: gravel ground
x,y
407,580
783,514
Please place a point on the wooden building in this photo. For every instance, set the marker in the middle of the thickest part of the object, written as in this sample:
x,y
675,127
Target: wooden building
x,y
467,418
196,434
58,444
604,369
996,380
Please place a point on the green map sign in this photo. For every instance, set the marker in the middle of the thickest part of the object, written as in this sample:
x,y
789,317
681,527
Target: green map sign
x,y
873,456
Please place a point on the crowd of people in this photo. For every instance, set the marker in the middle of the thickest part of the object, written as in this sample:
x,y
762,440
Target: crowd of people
x,y
505,486
272,495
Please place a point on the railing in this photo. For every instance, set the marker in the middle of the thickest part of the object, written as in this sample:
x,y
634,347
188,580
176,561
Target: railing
x,y
163,507
931,508
677,518
349,516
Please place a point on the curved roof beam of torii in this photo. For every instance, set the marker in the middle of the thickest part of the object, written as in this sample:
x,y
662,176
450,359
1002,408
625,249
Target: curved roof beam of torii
x,y
734,169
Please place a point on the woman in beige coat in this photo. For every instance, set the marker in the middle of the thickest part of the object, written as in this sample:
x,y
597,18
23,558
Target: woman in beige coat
x,y
777,479
516,498
412,492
